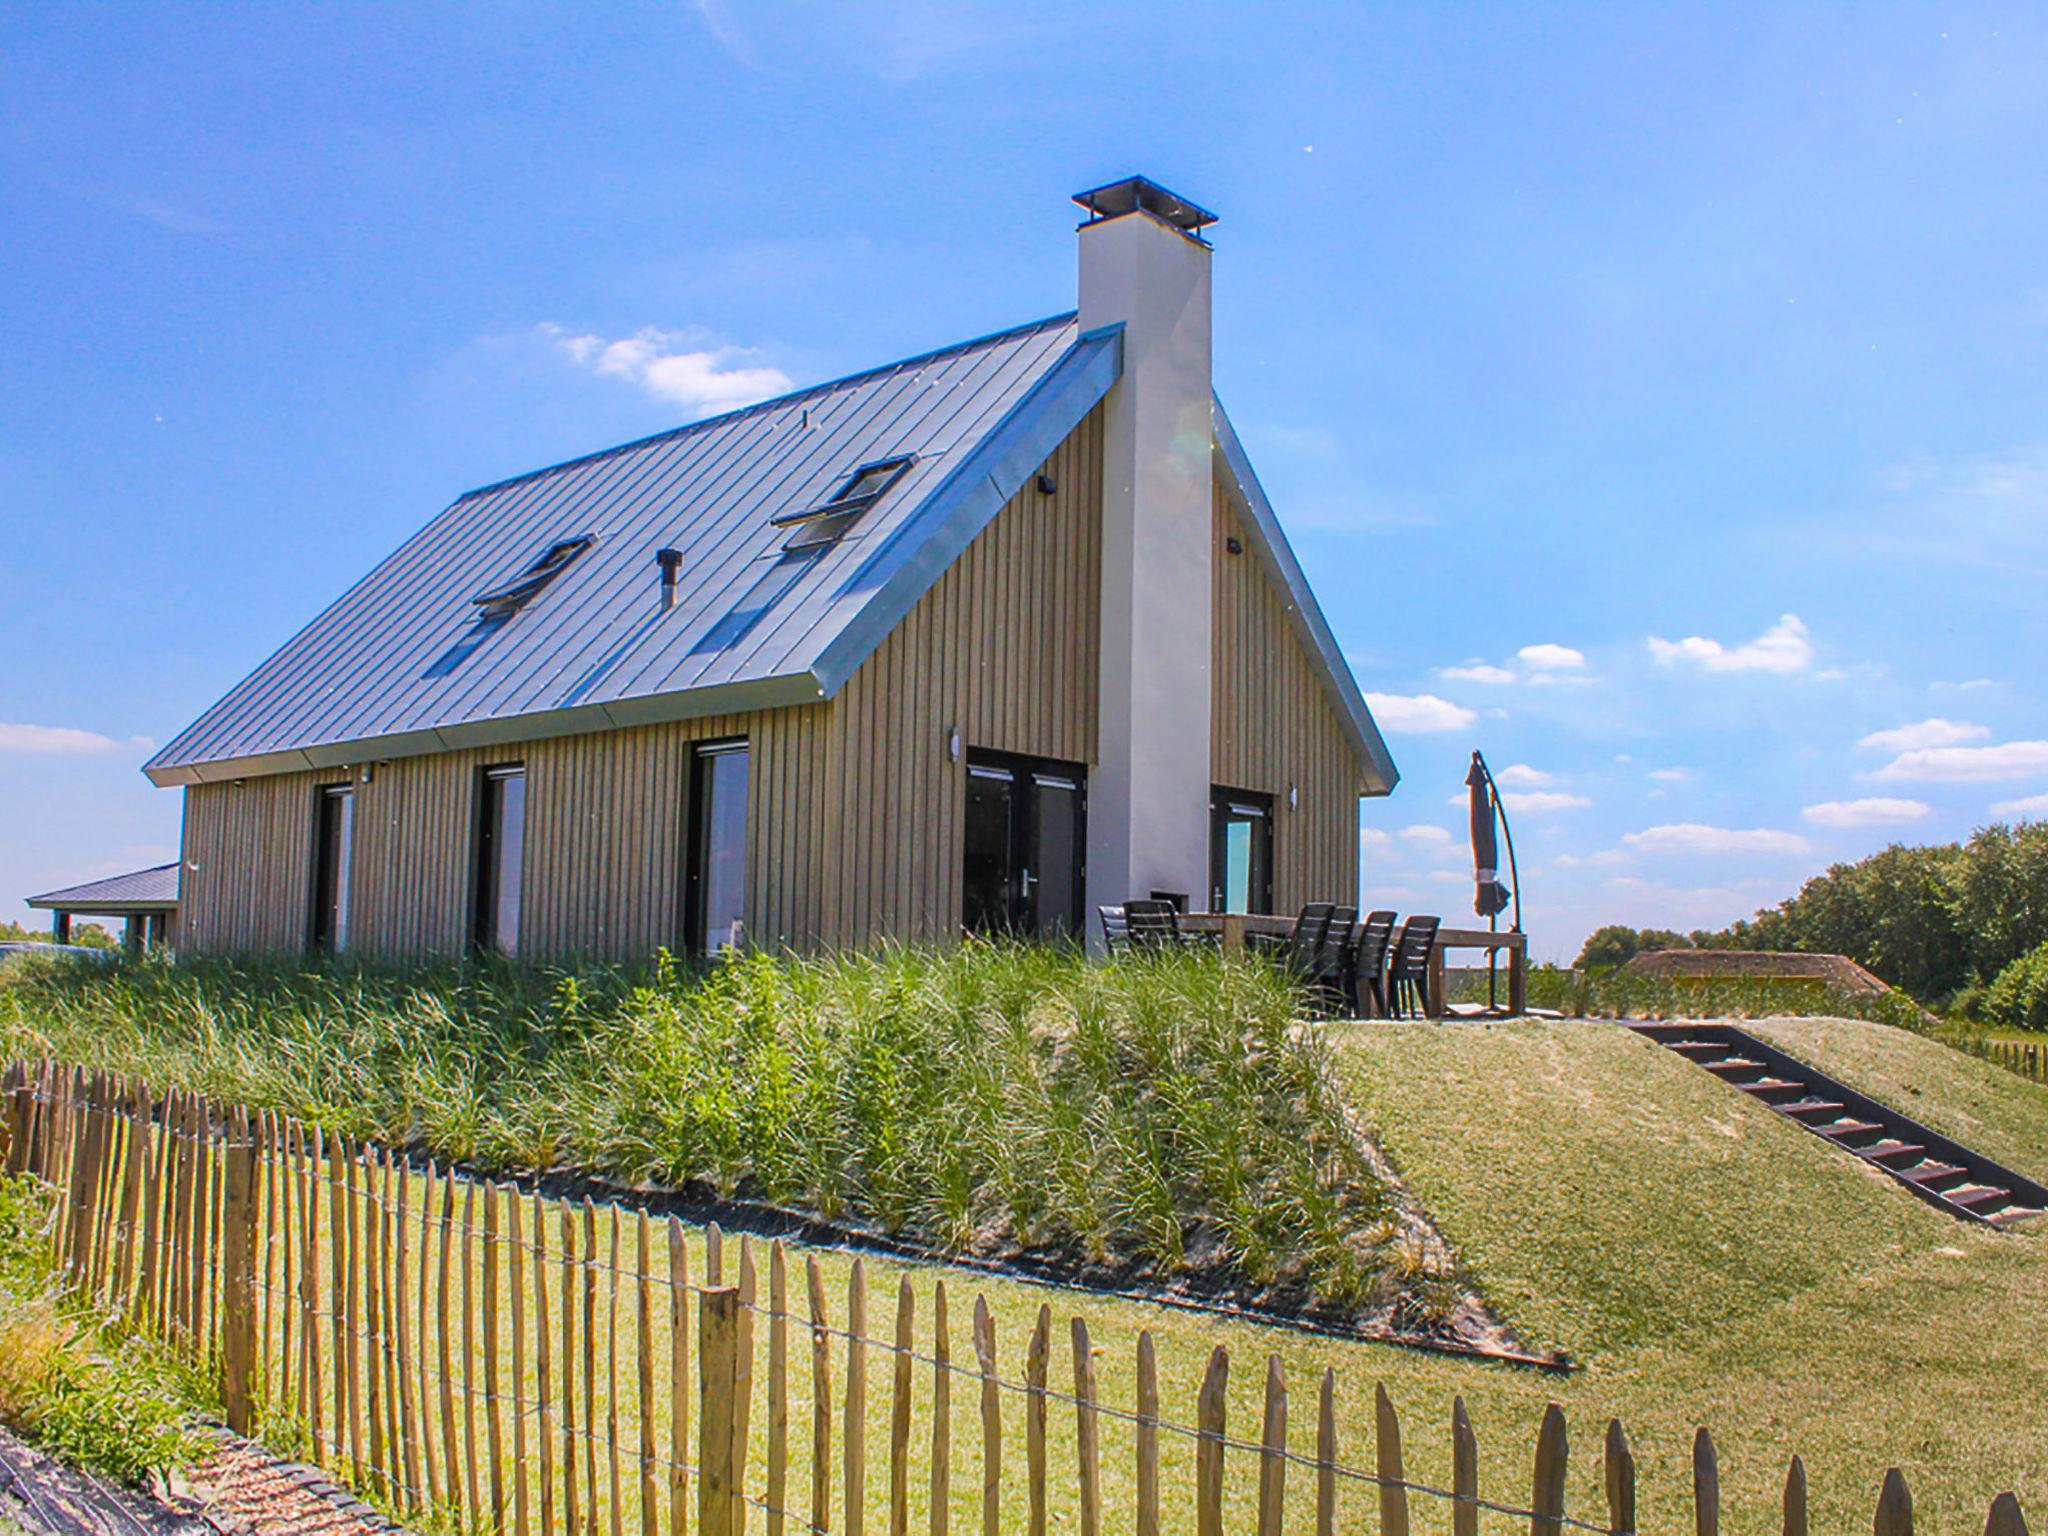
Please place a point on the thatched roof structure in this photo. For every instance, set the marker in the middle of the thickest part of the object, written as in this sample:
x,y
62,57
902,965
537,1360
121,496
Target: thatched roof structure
x,y
1754,965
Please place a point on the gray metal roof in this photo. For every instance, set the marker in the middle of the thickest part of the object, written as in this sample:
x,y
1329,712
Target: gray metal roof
x,y
139,889
400,664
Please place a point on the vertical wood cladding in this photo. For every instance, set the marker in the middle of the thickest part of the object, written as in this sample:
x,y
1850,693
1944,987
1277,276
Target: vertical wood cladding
x,y
855,806
1272,725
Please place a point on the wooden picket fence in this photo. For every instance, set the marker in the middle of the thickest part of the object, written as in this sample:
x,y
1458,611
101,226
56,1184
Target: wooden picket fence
x,y
2022,1056
416,1333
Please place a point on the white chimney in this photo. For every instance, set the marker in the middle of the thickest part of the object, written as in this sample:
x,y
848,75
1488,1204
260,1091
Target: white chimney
x,y
1144,265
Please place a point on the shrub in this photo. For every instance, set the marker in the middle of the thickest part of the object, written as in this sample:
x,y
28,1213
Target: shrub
x,y
2019,995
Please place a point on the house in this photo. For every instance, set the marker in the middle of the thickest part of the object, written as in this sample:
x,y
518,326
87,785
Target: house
x,y
146,900
980,639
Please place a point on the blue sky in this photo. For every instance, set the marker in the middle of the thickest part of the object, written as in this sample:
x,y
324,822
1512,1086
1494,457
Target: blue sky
x,y
1657,398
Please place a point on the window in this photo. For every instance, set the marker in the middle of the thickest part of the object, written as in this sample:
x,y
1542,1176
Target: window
x,y
500,858
715,891
826,522
1240,851
333,854
510,596
1022,869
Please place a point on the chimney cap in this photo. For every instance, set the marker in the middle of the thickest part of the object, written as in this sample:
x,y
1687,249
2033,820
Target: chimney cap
x,y
1139,192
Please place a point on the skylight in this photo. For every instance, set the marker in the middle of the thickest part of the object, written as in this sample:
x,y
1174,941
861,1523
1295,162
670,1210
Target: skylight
x,y
826,522
509,597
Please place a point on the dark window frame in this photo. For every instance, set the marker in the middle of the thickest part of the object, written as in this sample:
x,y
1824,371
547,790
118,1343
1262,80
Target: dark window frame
x,y
327,915
828,522
486,862
696,834
1026,773
1257,808
512,594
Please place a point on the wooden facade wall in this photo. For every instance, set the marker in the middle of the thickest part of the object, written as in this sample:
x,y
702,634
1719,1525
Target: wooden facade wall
x,y
856,806
1272,725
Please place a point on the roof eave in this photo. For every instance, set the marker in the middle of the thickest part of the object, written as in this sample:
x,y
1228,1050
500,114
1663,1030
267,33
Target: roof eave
x,y
503,730
1270,542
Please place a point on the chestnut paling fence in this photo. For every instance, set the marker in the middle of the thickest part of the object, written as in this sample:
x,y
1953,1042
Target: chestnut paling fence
x,y
534,1364
2021,1056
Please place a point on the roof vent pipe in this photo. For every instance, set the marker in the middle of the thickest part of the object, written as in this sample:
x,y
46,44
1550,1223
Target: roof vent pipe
x,y
670,561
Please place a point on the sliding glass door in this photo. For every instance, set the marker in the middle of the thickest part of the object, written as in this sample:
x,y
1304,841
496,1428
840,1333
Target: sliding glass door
x,y
1022,857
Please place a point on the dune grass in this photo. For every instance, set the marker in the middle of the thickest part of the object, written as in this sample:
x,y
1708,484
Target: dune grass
x,y
990,1099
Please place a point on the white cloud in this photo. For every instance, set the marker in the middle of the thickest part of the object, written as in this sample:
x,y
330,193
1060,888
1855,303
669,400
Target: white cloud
x,y
65,738
1566,861
1417,714
1477,672
1782,648
1373,837
1928,733
2007,760
1538,802
2032,805
1522,776
1691,837
1550,658
1424,832
677,367
1875,811
1670,775
1969,685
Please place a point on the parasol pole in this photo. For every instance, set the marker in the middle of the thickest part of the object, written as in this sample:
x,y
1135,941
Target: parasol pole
x,y
1500,816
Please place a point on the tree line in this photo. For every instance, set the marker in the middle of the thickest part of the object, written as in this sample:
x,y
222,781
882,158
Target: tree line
x,y
1960,926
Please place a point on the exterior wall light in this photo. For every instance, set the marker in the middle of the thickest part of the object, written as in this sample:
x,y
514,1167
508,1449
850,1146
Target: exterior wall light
x,y
1293,797
953,743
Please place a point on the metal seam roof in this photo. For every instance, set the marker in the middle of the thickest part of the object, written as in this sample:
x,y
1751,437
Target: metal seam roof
x,y
399,664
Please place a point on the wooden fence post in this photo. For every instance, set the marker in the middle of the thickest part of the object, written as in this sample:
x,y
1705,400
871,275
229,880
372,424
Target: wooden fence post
x,y
778,1387
991,1421
238,1311
1035,1359
1387,1464
679,1379
1148,1435
821,1400
718,1337
1795,1498
1464,1472
1087,1435
1546,1500
1273,1457
2005,1518
899,1410
854,1473
942,1413
1209,1426
1894,1506
1706,1486
1621,1482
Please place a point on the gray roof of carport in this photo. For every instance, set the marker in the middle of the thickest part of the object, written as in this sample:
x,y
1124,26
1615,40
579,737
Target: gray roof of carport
x,y
139,889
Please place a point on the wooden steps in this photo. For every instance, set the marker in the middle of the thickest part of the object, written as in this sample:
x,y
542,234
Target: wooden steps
x,y
1942,1172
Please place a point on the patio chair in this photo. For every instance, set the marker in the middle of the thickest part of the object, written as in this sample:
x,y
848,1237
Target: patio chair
x,y
1152,925
1116,931
1368,965
1298,949
1408,968
1329,969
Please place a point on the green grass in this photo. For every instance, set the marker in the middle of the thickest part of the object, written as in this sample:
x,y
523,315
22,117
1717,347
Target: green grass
x,y
991,1099
1709,1263
1977,1102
